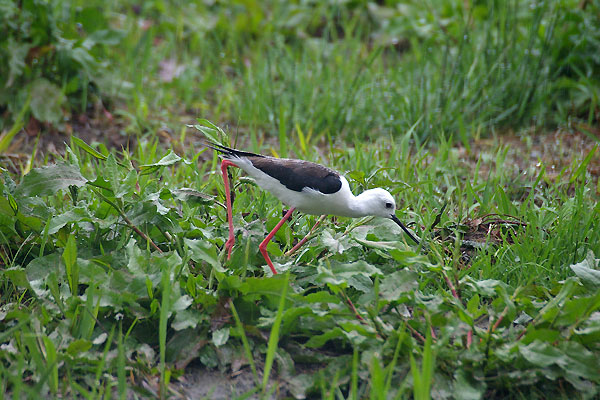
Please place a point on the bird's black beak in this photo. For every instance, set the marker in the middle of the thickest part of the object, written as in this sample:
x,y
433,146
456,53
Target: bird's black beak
x,y
404,228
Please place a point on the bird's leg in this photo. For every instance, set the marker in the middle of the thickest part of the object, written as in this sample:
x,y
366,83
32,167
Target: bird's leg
x,y
231,240
300,243
263,246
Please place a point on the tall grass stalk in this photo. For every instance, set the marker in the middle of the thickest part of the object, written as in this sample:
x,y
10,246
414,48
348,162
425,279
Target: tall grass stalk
x,y
274,335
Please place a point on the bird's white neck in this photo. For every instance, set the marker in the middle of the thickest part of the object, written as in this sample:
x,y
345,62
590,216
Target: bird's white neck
x,y
360,206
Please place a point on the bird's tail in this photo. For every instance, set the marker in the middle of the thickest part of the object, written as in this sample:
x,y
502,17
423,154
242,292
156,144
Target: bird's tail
x,y
229,152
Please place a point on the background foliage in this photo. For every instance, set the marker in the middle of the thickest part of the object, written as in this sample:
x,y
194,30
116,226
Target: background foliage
x,y
113,282
335,68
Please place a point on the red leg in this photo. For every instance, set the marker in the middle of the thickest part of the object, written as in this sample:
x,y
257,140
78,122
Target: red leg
x,y
231,240
263,246
300,243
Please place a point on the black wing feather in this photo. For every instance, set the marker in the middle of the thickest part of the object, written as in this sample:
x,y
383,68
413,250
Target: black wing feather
x,y
230,151
297,174
293,174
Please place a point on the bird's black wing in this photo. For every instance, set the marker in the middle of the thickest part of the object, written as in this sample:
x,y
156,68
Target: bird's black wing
x,y
298,174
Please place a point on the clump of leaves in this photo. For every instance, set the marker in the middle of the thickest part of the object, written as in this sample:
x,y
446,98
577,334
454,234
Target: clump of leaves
x,y
112,279
51,58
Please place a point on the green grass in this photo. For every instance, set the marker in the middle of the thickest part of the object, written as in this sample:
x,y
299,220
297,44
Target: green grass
x,y
337,71
497,324
113,277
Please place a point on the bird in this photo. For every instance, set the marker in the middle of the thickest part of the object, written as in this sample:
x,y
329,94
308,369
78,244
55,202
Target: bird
x,y
304,186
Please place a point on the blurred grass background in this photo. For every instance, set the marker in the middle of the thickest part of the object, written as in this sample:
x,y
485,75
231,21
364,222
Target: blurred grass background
x,y
351,69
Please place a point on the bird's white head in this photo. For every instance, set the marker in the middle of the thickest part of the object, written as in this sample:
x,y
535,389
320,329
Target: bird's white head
x,y
378,202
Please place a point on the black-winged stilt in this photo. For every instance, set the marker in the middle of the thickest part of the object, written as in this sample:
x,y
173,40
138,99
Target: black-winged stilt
x,y
304,186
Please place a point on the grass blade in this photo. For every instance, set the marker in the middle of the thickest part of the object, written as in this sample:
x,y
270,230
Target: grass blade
x,y
274,336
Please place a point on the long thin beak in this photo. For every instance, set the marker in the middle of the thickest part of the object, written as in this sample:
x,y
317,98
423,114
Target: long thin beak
x,y
404,228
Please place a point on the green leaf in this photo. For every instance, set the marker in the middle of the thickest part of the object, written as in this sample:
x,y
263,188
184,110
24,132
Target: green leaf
x,y
204,251
338,243
17,276
341,273
50,179
88,149
70,259
317,341
220,337
186,319
46,101
13,204
586,271
394,285
209,130
467,388
79,346
473,306
170,159
192,196
580,361
542,354
381,245
75,214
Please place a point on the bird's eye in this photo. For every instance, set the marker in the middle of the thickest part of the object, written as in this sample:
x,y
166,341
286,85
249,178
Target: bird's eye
x,y
388,205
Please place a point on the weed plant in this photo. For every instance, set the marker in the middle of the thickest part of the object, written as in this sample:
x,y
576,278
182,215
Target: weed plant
x,y
101,249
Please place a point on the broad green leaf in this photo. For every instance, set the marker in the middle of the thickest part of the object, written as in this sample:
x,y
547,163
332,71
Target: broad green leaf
x,y
394,285
267,288
581,361
220,336
210,130
541,335
487,287
185,319
169,159
181,302
467,388
192,196
79,346
113,173
127,185
17,276
340,273
48,180
76,214
320,297
378,244
473,306
17,50
542,354
337,243
204,251
587,272
591,326
319,340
